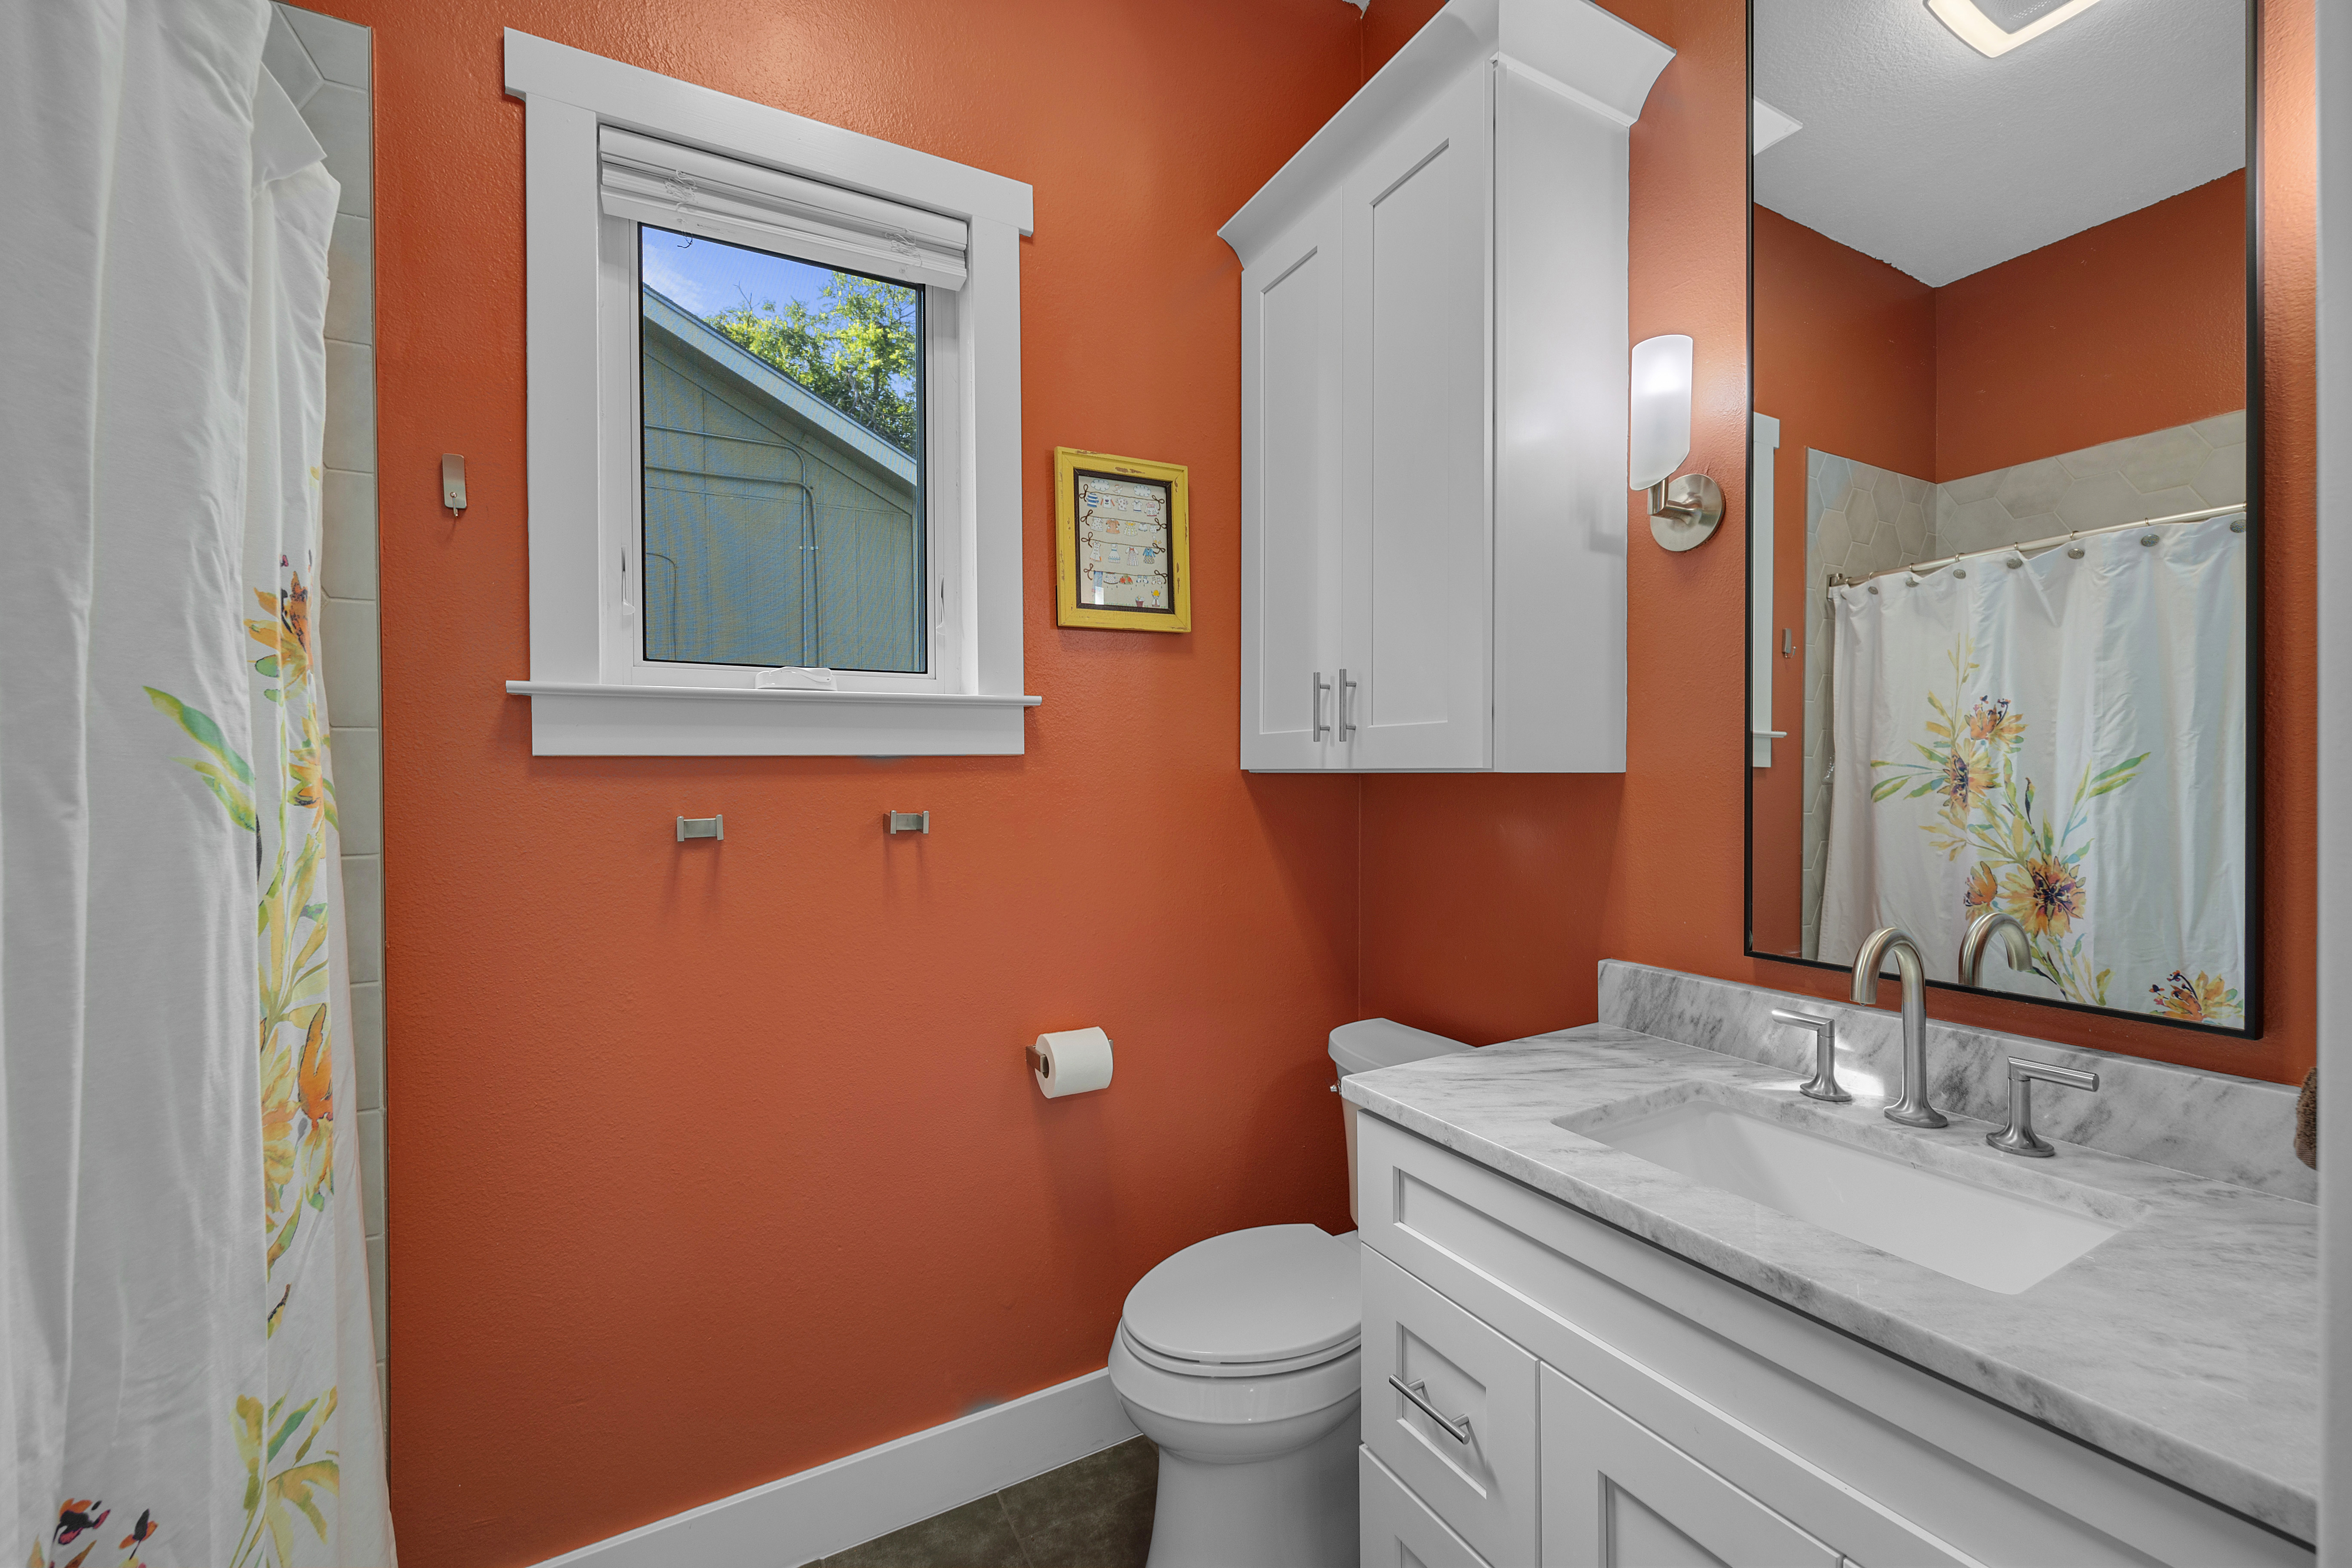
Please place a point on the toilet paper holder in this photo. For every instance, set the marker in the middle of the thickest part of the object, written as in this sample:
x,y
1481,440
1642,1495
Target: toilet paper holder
x,y
1040,1067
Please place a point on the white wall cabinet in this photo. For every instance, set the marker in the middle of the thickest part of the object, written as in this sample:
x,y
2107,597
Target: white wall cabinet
x,y
1599,1403
1434,353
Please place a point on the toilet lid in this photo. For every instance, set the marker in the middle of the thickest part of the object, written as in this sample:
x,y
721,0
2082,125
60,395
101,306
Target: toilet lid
x,y
1277,1292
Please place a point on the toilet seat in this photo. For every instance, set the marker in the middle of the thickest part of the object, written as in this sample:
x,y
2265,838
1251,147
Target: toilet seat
x,y
1249,1303
1180,1367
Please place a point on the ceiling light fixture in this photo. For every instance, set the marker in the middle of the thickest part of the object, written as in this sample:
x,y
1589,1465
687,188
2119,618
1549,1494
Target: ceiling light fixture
x,y
1772,125
1986,37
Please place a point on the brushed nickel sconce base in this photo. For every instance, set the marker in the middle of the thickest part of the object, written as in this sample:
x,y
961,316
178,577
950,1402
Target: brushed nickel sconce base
x,y
1685,511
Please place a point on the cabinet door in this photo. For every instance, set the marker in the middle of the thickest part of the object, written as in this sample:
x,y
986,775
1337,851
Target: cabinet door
x,y
1418,606
1290,495
1617,1495
1398,1529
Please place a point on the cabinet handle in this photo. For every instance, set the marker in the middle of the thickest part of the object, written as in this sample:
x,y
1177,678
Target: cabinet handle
x,y
1347,730
1419,1394
1314,704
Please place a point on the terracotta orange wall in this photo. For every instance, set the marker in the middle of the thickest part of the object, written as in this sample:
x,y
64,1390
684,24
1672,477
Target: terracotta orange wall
x,y
710,1163
1845,358
2136,325
1486,901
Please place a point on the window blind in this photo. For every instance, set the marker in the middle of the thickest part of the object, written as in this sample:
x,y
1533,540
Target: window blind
x,y
675,187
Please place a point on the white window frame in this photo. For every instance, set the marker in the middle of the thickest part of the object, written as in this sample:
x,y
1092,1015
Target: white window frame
x,y
591,692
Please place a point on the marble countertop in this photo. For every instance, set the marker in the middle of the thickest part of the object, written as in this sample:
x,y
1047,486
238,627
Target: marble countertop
x,y
2188,1344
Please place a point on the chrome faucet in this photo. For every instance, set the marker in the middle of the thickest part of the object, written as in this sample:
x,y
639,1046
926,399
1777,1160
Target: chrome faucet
x,y
2014,947
1912,1109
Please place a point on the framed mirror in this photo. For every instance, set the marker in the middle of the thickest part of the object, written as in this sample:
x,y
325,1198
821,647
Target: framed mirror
x,y
2005,540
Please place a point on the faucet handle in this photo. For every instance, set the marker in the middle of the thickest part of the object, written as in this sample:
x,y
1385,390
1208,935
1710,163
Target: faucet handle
x,y
2018,1137
1823,1083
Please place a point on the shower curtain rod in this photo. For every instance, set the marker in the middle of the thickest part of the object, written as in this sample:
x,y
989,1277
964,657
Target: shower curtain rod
x,y
1921,568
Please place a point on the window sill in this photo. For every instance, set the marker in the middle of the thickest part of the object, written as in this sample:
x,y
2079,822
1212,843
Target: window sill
x,y
582,718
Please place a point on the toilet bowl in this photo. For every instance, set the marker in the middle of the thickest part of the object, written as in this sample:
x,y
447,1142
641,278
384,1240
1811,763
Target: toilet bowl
x,y
1238,1357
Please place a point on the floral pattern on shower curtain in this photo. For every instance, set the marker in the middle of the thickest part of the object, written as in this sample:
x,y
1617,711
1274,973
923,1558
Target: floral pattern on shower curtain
x,y
2064,741
188,1354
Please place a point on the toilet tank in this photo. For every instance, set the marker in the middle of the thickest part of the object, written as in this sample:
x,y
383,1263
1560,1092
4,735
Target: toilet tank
x,y
1368,1043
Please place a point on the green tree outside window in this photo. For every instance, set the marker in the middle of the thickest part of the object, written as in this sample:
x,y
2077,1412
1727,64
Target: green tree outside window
x,y
855,348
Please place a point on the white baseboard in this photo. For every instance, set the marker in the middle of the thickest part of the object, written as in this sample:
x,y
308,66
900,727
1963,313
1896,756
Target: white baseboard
x,y
884,1489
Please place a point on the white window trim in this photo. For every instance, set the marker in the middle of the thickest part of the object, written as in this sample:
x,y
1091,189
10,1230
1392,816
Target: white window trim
x,y
589,693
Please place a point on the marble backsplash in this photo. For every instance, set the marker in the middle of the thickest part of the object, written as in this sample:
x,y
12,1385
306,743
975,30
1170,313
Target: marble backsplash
x,y
2236,1129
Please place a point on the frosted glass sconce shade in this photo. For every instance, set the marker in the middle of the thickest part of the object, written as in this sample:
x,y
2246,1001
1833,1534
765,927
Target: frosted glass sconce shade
x,y
1683,512
1661,408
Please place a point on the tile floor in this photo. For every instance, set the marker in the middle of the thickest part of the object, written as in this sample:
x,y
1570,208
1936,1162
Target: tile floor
x,y
1094,1513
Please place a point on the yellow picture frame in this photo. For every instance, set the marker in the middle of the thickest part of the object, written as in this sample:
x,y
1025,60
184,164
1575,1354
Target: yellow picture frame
x,y
1121,570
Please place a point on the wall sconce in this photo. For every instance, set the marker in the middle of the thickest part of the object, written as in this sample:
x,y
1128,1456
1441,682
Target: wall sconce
x,y
1685,511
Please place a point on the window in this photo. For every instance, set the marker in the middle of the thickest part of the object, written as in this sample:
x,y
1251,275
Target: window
x,y
781,407
776,478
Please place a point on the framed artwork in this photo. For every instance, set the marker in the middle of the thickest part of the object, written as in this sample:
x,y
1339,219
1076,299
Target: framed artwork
x,y
1125,556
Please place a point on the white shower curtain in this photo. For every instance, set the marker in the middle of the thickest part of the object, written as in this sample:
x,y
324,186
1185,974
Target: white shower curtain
x,y
2065,741
187,1368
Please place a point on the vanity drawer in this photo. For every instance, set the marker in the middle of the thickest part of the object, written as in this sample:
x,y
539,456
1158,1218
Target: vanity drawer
x,y
1398,1529
1479,1474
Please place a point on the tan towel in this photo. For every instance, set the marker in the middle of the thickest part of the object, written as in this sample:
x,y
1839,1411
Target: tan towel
x,y
2306,1120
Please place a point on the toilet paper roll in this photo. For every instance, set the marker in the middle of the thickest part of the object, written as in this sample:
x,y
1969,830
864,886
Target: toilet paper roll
x,y
1073,1060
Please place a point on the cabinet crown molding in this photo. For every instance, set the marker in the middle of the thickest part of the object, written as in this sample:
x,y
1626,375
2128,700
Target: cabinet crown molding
x,y
1572,46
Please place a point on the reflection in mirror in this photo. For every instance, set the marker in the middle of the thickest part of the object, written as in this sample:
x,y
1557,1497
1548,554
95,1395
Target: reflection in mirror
x,y
2001,551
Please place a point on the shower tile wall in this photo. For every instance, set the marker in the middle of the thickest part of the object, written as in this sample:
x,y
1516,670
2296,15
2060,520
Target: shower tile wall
x,y
2187,469
1860,519
323,64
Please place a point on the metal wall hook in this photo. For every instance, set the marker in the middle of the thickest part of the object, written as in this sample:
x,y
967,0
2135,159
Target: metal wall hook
x,y
906,822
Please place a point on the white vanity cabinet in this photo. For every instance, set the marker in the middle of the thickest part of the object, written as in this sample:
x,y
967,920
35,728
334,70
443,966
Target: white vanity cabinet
x,y
1584,1397
1434,362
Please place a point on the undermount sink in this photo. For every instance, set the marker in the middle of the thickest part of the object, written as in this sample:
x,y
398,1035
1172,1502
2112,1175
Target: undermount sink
x,y
2001,1240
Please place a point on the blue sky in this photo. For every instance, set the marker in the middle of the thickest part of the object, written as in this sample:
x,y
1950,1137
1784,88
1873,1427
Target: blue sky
x,y
707,276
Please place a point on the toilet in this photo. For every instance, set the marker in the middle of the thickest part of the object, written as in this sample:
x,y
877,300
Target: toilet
x,y
1238,1356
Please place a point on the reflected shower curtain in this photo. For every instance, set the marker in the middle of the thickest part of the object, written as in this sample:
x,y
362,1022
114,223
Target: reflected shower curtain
x,y
189,1376
2063,740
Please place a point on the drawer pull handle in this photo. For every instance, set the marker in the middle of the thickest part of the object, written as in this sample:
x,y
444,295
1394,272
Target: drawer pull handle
x,y
1419,1394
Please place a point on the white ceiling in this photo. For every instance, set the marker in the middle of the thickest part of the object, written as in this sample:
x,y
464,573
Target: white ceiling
x,y
1921,152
